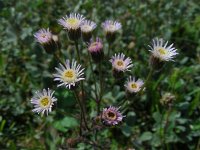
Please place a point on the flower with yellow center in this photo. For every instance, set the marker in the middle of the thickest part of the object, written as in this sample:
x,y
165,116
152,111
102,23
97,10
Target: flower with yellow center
x,y
162,50
72,22
69,74
120,63
43,101
133,86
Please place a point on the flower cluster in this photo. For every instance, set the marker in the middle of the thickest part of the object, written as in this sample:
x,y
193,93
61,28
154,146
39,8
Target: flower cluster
x,y
71,72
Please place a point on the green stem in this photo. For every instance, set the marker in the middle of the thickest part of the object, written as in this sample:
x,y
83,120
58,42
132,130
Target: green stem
x,y
198,145
101,88
58,58
166,124
79,61
82,106
77,99
147,80
109,47
82,110
77,51
93,76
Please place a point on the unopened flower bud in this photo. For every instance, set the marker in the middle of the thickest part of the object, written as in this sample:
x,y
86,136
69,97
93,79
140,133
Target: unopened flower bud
x,y
167,100
96,50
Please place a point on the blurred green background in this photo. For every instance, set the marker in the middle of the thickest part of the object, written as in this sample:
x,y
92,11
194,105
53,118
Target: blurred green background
x,y
25,68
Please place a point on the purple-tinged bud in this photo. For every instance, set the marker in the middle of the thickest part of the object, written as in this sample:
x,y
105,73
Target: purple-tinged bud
x,y
96,50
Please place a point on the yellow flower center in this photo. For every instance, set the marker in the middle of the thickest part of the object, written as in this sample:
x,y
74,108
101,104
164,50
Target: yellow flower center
x,y
69,75
162,51
120,63
111,115
72,21
44,101
134,85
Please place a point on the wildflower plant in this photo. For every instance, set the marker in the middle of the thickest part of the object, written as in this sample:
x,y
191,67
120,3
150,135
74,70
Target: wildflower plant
x,y
72,75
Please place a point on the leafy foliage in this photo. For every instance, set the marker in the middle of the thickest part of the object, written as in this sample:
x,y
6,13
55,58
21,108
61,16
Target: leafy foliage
x,y
25,67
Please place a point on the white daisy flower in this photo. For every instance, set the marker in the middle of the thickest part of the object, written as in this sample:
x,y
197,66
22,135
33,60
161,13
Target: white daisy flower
x,y
43,101
43,36
120,63
69,74
73,21
88,26
111,26
162,51
133,86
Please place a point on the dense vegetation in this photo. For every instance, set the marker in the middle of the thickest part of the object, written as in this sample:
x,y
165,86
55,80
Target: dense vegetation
x,y
25,68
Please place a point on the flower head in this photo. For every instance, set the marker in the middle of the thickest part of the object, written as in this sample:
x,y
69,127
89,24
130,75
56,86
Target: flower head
x,y
43,101
162,50
111,26
95,46
69,74
73,21
133,86
168,99
43,36
88,26
96,50
120,63
111,116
